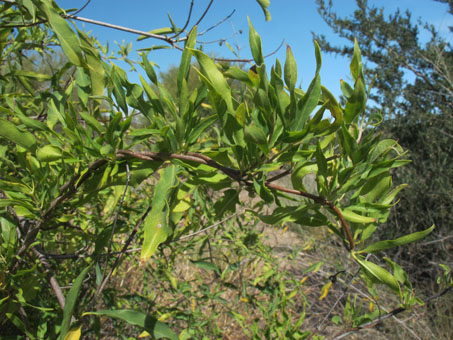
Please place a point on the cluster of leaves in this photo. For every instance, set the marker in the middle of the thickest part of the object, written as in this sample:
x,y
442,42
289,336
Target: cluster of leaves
x,y
418,114
78,177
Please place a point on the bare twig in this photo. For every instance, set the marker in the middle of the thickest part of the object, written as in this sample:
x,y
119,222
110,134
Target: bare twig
x,y
204,13
187,21
217,24
123,251
436,241
82,8
118,211
207,228
52,280
393,313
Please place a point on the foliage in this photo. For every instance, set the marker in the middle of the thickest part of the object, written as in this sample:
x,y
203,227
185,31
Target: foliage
x,y
79,182
413,88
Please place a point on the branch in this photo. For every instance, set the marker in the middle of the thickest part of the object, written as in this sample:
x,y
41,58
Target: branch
x,y
393,313
204,13
123,251
71,188
236,175
52,280
187,21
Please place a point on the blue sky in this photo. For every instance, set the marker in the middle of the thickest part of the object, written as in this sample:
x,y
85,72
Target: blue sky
x,y
292,21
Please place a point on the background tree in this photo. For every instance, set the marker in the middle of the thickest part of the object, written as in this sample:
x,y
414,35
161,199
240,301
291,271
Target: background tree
x,y
413,89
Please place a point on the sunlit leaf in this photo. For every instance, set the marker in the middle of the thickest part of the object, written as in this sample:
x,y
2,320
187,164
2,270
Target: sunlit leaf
x,y
255,44
264,5
9,131
71,300
156,228
158,329
382,245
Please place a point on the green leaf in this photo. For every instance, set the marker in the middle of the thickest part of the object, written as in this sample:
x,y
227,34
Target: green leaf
x,y
159,31
156,328
71,300
93,122
49,153
206,265
379,274
215,78
346,89
318,57
11,132
184,66
264,5
356,103
351,216
382,245
149,69
255,44
254,134
321,161
307,104
156,228
290,69
356,65
200,128
34,75
69,42
32,123
118,78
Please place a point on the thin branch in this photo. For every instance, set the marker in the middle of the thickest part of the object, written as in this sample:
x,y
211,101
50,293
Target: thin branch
x,y
126,29
393,313
436,241
123,251
204,13
82,8
71,188
207,228
250,60
118,211
187,21
280,175
52,280
217,24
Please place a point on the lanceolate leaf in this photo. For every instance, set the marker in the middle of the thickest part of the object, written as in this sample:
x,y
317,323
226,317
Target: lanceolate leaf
x,y
215,77
71,300
264,5
70,44
290,69
379,274
255,44
307,104
184,66
383,245
49,153
356,65
157,329
9,131
156,223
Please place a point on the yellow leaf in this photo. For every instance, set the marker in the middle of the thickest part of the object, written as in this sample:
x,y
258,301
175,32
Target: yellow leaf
x,y
325,290
74,334
143,334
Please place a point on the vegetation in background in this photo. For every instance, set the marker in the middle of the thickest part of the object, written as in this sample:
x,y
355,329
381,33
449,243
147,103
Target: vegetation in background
x,y
113,229
419,115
